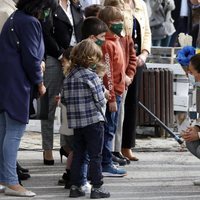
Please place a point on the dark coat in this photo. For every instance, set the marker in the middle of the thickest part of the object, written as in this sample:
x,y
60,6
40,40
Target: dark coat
x,y
58,30
20,67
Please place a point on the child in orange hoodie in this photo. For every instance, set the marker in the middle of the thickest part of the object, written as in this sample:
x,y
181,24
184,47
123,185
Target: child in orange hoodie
x,y
115,80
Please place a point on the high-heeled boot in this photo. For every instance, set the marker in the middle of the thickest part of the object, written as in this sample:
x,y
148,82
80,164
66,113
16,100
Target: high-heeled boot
x,y
24,170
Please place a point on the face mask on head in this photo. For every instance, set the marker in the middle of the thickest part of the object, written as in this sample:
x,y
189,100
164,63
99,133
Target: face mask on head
x,y
191,79
116,28
45,14
93,67
99,42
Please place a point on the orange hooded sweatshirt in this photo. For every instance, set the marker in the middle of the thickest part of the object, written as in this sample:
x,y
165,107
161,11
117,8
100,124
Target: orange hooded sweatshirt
x,y
114,79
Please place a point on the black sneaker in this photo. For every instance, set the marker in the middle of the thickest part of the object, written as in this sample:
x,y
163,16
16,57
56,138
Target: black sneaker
x,y
97,193
76,191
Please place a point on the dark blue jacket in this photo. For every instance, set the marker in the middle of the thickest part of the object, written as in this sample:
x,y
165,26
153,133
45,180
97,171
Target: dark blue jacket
x,y
20,67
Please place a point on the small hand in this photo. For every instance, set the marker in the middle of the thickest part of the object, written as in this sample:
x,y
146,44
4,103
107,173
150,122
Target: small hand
x,y
128,81
41,89
107,94
113,106
42,65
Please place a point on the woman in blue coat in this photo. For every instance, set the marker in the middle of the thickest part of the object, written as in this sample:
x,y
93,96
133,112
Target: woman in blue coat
x,y
21,54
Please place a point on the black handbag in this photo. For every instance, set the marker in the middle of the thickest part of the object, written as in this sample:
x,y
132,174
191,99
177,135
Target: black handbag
x,y
39,106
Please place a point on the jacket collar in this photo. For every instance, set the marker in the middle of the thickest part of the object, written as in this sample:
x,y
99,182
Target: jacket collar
x,y
60,13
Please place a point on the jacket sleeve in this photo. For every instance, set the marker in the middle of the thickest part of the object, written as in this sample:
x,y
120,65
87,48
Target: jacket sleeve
x,y
146,40
132,62
32,51
108,79
96,88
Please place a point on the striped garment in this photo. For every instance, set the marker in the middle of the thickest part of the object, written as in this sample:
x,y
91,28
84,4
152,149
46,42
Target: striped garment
x,y
84,98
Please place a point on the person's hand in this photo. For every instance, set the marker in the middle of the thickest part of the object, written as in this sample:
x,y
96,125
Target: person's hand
x,y
128,81
42,65
41,89
57,99
195,2
113,106
141,59
191,134
107,94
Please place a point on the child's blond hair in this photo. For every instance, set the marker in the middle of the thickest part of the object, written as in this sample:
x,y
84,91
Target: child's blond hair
x,y
85,54
110,13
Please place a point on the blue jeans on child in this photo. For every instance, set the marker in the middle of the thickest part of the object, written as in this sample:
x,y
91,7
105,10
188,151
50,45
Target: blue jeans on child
x,y
110,129
88,141
11,132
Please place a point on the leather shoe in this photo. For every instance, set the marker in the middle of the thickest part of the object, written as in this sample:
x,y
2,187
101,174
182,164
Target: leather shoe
x,y
129,154
26,193
116,159
119,155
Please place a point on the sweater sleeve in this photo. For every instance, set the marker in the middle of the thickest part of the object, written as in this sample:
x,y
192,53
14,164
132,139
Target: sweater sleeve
x,y
108,79
132,62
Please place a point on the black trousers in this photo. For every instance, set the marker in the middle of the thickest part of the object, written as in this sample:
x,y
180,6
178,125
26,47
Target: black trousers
x,y
130,111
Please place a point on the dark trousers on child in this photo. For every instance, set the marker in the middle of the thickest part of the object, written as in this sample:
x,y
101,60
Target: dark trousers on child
x,y
88,140
110,129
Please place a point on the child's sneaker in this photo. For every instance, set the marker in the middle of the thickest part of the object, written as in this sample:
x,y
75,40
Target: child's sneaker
x,y
113,171
86,188
76,191
97,193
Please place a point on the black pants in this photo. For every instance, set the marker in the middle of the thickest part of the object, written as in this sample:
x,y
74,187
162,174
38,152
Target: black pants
x,y
130,111
88,140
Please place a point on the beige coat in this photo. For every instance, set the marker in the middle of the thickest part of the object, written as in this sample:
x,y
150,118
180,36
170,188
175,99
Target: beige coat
x,y
7,7
141,14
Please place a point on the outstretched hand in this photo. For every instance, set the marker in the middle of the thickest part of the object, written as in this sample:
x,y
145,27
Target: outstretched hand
x,y
190,134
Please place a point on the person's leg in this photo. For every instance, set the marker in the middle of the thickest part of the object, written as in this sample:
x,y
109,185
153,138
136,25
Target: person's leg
x,y
53,80
14,132
156,42
79,156
118,134
110,129
2,136
94,139
165,42
130,116
194,148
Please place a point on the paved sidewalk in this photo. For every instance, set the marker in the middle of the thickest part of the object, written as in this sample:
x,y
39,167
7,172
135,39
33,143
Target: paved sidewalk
x,y
156,176
164,172
32,141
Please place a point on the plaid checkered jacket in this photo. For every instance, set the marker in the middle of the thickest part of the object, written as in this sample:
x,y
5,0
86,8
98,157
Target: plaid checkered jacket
x,y
83,95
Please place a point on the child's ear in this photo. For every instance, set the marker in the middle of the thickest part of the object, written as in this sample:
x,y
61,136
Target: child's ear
x,y
92,37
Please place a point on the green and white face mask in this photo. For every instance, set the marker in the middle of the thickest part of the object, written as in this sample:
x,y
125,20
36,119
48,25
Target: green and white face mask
x,y
45,14
99,42
116,28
